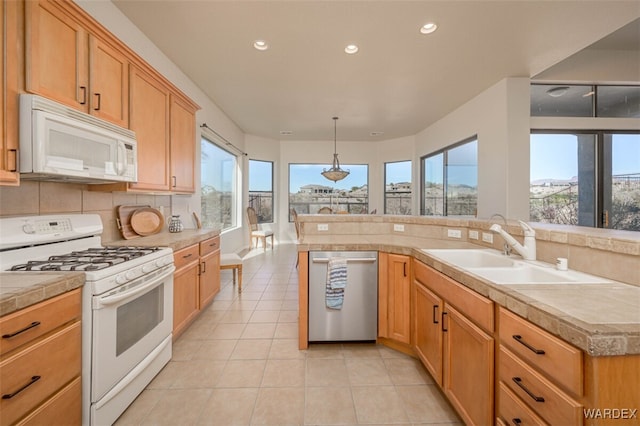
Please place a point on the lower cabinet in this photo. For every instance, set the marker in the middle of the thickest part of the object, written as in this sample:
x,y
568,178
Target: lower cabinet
x,y
41,363
452,335
394,306
196,281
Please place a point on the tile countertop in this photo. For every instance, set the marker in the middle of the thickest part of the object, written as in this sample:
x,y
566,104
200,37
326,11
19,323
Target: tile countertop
x,y
19,290
600,319
176,240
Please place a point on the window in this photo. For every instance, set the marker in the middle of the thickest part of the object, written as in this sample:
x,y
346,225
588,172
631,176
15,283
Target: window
x,y
261,189
586,178
450,181
218,186
397,188
309,190
565,100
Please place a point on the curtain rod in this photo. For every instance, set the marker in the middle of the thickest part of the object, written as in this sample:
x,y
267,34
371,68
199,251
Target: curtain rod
x,y
204,126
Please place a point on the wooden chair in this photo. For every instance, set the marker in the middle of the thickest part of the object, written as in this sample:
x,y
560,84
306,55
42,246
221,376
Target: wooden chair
x,y
234,262
325,210
256,232
294,215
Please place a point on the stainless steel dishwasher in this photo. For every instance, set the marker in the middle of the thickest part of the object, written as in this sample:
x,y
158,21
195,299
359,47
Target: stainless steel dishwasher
x,y
357,320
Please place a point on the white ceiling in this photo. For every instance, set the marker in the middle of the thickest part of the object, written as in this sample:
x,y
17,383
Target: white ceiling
x,y
399,82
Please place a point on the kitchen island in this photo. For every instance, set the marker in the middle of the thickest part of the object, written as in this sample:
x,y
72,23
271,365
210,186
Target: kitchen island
x,y
590,333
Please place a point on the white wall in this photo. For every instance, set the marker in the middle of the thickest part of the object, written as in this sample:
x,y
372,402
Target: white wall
x,y
499,117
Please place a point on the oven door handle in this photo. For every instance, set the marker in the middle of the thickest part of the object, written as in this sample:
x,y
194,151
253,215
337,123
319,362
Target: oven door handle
x,y
112,300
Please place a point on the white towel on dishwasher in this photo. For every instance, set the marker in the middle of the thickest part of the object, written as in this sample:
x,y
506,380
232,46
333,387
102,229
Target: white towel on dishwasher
x,y
336,282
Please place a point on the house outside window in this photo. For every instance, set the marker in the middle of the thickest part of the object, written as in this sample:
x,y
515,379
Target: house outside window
x,y
397,188
261,189
309,191
219,188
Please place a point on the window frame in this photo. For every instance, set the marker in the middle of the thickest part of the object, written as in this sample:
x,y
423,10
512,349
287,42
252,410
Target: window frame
x,y
385,184
273,197
236,194
444,151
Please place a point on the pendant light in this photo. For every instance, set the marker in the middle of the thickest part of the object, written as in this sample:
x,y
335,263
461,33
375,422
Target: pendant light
x,y
335,173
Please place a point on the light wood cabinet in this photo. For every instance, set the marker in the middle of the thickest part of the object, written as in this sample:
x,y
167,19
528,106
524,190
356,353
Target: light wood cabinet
x,y
9,23
41,362
185,288
209,280
66,63
196,281
183,145
394,306
453,336
149,118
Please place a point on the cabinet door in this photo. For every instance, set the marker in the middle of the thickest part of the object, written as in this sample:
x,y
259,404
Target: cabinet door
x,y
427,340
209,277
149,118
56,55
468,368
185,297
183,148
109,83
9,94
399,296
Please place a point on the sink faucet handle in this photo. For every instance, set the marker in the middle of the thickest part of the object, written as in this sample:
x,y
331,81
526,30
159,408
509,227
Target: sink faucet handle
x,y
528,230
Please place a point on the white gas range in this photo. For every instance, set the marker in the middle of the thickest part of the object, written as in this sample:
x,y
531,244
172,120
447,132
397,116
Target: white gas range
x,y
127,312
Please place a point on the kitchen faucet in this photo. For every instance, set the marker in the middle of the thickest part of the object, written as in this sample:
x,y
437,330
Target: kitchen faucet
x,y
506,248
528,250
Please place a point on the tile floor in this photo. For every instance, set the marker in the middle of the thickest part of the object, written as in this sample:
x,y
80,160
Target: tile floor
x,y
239,364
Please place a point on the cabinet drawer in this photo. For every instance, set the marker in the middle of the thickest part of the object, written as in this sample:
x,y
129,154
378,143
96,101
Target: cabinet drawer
x,y
186,255
65,407
31,323
210,245
544,398
559,361
513,411
40,370
475,306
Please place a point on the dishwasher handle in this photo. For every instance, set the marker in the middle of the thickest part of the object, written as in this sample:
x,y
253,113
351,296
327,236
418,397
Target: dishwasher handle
x,y
349,259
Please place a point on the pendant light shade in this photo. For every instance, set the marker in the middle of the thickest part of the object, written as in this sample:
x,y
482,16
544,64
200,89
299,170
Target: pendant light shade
x,y
335,173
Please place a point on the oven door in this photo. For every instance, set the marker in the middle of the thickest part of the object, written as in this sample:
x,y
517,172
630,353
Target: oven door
x,y
129,322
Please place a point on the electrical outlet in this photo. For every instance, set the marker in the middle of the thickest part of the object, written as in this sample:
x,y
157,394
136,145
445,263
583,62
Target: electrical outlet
x,y
398,228
323,227
454,233
487,237
473,235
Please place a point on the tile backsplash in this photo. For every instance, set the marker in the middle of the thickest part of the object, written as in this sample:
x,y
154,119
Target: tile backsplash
x,y
41,198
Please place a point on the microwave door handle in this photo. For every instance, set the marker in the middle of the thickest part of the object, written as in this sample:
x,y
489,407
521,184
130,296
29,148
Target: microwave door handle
x,y
121,159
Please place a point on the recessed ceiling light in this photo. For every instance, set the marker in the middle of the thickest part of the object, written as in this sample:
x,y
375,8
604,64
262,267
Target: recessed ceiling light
x,y
260,45
428,28
351,49
591,93
376,133
286,132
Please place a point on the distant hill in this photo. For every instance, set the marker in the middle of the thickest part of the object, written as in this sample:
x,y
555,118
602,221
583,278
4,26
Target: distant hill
x,y
555,182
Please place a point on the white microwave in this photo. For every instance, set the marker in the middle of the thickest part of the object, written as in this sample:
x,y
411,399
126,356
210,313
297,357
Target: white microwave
x,y
62,144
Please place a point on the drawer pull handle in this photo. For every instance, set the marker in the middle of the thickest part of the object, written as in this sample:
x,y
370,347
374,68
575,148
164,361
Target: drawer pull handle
x,y
435,310
516,421
444,329
15,333
518,339
518,382
11,395
186,256
204,267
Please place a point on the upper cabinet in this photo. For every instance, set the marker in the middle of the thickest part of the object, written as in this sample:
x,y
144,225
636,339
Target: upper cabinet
x,y
66,63
72,59
9,94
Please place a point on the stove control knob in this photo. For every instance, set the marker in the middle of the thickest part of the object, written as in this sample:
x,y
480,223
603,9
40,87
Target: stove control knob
x,y
28,228
120,279
147,268
130,274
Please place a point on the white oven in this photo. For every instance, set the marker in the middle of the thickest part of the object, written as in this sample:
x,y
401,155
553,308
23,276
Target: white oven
x,y
131,329
127,303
